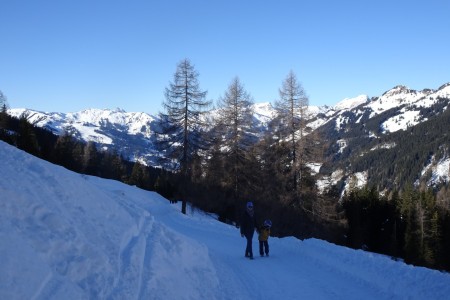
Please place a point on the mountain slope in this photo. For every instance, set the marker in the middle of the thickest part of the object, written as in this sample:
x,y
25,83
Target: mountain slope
x,y
361,134
129,133
390,139
70,236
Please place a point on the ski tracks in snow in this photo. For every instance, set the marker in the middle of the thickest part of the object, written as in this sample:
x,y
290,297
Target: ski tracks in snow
x,y
132,255
154,261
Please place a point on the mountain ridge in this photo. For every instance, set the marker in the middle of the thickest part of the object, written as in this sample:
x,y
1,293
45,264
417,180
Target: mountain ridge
x,y
366,119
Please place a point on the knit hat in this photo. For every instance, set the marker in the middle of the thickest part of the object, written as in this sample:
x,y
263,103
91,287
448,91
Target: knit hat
x,y
268,223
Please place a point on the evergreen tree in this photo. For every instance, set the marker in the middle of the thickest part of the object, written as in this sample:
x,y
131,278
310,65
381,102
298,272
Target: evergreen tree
x,y
445,239
3,101
140,176
215,163
63,151
180,136
434,247
164,185
443,197
3,112
118,168
26,139
77,156
396,241
90,159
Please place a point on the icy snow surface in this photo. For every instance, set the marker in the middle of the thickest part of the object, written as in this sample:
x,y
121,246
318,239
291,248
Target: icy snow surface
x,y
69,236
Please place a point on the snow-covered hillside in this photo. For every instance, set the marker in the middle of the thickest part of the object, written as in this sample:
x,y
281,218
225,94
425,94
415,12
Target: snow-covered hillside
x,y
69,236
354,126
408,103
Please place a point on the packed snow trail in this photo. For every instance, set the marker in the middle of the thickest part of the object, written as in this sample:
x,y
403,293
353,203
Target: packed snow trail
x,y
69,236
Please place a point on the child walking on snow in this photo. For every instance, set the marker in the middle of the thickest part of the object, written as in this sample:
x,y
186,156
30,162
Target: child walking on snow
x,y
263,238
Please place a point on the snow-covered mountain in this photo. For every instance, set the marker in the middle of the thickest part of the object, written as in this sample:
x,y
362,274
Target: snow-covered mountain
x,y
88,124
360,119
70,236
128,133
408,104
374,137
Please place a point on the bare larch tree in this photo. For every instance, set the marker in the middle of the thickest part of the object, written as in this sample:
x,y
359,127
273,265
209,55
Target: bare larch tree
x,y
181,126
234,127
292,116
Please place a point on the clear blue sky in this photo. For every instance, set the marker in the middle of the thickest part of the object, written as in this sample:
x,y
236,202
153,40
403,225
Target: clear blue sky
x,y
65,56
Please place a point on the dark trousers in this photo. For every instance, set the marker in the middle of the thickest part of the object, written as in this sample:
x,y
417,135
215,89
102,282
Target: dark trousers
x,y
262,245
249,248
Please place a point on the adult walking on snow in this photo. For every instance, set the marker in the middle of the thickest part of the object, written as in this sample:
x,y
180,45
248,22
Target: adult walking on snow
x,y
248,225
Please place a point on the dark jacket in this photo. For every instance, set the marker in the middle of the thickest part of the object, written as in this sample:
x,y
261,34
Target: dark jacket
x,y
248,224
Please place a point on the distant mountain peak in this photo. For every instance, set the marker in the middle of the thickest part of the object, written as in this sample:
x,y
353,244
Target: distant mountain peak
x,y
399,89
349,103
121,110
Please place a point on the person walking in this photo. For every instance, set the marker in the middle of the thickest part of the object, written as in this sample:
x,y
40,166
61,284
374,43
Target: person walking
x,y
248,225
263,238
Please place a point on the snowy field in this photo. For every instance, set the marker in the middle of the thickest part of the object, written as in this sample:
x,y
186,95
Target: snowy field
x,y
69,236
